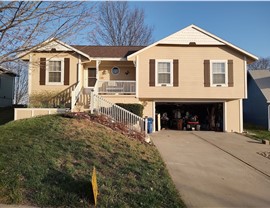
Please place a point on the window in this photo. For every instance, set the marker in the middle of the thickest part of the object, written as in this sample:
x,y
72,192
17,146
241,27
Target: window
x,y
115,70
55,71
164,72
219,73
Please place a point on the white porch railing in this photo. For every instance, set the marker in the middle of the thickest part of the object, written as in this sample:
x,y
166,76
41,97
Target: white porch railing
x,y
102,106
75,94
116,86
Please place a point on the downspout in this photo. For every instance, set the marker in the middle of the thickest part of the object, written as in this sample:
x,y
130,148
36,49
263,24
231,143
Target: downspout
x,y
245,81
79,69
241,115
30,75
137,76
268,117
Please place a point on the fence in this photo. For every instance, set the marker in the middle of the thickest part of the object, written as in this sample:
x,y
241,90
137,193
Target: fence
x,y
102,106
21,113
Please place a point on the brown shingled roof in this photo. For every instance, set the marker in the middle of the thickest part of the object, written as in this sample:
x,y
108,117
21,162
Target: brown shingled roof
x,y
108,51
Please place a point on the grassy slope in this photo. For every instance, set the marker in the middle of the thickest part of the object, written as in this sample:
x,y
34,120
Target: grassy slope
x,y
48,161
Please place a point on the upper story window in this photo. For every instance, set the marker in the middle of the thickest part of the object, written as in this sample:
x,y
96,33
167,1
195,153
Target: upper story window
x,y
219,73
55,71
164,72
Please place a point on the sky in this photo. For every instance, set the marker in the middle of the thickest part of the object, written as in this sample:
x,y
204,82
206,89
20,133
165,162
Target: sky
x,y
244,24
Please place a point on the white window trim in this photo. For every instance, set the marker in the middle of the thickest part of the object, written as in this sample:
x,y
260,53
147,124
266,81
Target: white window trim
x,y
226,73
47,71
171,72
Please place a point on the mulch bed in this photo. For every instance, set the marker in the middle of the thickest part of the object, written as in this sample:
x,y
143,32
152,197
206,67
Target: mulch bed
x,y
109,122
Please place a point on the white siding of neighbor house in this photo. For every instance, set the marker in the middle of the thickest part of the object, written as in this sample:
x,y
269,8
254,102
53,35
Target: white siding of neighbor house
x,y
6,90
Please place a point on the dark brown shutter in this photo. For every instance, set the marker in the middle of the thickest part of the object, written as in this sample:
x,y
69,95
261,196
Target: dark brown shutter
x,y
152,72
175,73
66,71
42,73
230,73
207,73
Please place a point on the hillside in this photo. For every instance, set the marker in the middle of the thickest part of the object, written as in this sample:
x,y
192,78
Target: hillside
x,y
48,161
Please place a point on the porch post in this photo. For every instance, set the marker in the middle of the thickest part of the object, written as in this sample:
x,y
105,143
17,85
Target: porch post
x,y
92,101
98,62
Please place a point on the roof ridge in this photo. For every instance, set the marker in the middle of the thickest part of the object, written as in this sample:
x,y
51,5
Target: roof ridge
x,y
105,46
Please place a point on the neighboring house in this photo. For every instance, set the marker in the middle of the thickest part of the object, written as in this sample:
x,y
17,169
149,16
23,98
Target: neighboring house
x,y
7,81
257,106
192,71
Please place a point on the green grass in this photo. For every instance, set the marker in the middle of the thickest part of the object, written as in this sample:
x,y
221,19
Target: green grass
x,y
256,132
47,161
6,115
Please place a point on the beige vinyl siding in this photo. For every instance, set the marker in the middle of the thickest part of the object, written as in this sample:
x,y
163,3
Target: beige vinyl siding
x,y
124,66
35,82
191,72
121,98
148,108
233,116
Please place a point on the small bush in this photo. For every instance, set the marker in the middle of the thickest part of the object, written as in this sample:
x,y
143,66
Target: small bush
x,y
133,108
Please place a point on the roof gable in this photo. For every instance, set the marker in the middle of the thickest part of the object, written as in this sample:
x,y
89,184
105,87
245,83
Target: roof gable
x,y
195,36
262,80
53,45
190,35
7,72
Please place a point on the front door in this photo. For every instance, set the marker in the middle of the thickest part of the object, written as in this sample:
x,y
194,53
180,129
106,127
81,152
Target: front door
x,y
92,78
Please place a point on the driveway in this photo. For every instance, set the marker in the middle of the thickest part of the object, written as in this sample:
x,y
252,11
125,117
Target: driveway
x,y
213,169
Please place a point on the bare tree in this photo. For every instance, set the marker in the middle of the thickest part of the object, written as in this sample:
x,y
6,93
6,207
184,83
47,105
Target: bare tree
x,y
26,24
262,63
118,25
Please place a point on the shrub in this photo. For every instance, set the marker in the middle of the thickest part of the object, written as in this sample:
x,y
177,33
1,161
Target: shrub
x,y
42,99
133,108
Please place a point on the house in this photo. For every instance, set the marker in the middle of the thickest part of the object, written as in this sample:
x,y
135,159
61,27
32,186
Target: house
x,y
256,107
7,81
189,72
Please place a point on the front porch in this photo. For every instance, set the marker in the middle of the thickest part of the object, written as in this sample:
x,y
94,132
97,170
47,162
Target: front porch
x,y
115,87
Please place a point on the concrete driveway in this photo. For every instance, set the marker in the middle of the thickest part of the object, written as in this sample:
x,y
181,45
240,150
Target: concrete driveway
x,y
213,169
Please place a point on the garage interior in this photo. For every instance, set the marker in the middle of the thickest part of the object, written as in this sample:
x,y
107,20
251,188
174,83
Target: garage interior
x,y
189,116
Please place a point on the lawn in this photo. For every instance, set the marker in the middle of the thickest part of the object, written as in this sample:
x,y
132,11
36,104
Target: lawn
x,y
256,132
47,161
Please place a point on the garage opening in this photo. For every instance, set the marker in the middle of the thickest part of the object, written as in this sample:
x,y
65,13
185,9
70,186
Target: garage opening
x,y
189,116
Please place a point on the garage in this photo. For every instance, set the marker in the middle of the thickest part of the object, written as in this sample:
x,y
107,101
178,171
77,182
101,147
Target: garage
x,y
206,116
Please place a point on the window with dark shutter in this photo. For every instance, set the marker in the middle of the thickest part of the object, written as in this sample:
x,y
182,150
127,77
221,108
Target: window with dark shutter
x,y
207,73
175,73
66,71
42,73
230,73
152,72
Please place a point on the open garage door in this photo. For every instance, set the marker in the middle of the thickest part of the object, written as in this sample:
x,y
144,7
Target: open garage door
x,y
189,116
